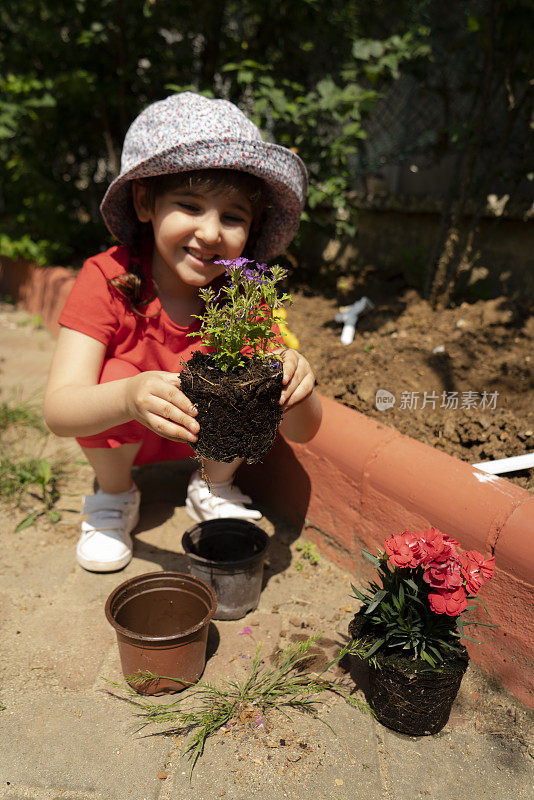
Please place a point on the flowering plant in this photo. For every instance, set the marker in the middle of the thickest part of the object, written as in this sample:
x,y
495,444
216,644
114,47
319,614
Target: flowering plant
x,y
427,583
241,315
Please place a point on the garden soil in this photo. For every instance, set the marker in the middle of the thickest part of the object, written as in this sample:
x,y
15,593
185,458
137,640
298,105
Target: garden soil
x,y
475,362
67,733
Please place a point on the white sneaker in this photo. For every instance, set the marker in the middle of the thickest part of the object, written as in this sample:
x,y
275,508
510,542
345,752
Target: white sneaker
x,y
224,500
105,544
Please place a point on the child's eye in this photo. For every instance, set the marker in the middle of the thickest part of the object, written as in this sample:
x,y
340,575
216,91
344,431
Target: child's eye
x,y
233,218
188,206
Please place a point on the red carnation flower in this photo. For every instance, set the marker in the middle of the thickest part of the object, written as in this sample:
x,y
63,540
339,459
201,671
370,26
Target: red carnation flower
x,y
487,565
404,550
447,602
444,576
436,546
476,569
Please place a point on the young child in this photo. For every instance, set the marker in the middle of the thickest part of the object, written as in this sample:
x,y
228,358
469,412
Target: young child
x,y
197,185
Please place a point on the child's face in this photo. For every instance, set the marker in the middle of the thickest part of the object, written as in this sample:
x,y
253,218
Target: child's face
x,y
192,229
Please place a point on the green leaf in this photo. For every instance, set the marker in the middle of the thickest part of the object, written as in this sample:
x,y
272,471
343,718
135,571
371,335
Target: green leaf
x,y
425,657
26,523
379,596
364,49
480,600
435,651
370,557
376,646
483,624
45,471
473,23
401,594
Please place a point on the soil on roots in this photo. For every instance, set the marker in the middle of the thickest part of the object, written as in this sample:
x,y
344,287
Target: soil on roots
x,y
238,412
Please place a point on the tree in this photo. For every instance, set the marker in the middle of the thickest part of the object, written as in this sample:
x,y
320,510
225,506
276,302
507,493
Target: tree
x,y
297,68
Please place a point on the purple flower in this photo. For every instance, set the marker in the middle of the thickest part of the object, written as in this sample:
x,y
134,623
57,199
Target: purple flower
x,y
245,631
256,275
234,263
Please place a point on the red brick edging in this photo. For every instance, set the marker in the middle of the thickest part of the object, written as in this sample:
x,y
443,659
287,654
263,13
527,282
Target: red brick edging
x,y
40,290
359,482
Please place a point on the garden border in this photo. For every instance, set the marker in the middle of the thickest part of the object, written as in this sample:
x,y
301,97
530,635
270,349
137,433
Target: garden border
x,y
358,482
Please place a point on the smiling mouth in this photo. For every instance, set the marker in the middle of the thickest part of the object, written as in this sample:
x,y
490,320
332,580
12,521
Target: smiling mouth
x,y
206,258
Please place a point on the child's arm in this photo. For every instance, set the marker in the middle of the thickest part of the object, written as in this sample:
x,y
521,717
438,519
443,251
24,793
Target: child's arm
x,y
77,405
302,412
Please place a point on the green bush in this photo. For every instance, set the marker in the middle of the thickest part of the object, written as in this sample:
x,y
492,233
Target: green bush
x,y
306,74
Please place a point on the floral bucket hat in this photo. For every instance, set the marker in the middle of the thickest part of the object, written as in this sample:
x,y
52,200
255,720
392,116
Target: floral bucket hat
x,y
188,131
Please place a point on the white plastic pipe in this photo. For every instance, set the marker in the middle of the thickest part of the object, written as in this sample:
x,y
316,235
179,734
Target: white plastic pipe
x,y
512,464
349,317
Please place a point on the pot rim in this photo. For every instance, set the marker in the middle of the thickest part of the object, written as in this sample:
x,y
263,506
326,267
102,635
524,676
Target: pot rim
x,y
209,562
147,577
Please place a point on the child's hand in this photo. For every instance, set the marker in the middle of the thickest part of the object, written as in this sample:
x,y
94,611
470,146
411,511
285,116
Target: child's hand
x,y
154,399
298,379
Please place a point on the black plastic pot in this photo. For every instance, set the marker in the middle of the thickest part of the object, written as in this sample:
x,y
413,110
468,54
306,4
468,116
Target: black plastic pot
x,y
228,554
410,696
417,703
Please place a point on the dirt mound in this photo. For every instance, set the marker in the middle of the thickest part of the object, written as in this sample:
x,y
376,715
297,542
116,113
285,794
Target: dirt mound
x,y
461,378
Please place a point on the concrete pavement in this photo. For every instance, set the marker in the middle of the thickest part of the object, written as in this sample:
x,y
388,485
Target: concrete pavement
x,y
64,734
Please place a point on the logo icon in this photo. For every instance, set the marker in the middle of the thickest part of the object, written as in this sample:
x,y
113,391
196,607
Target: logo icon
x,y
384,400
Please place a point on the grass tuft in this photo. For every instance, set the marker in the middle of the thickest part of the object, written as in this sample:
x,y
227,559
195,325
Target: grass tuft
x,y
285,685
22,413
30,477
25,479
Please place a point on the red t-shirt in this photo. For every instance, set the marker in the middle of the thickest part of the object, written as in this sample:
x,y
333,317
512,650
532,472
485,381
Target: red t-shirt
x,y
93,307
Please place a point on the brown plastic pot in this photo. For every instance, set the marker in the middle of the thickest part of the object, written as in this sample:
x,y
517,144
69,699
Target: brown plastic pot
x,y
161,620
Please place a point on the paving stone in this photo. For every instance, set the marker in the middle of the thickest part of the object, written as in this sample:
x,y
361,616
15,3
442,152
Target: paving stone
x,y
32,793
157,543
34,562
233,643
313,761
456,765
70,643
79,742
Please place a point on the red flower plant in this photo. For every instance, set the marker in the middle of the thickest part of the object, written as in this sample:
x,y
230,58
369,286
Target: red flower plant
x,y
415,607
453,574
